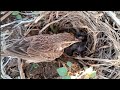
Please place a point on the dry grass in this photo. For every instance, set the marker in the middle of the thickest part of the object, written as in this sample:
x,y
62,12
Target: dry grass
x,y
105,37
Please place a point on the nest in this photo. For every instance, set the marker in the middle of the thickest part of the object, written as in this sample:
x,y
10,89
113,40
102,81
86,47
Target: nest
x,y
101,31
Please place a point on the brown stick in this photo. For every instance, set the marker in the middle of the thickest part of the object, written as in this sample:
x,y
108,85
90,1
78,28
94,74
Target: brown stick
x,y
20,64
5,16
95,59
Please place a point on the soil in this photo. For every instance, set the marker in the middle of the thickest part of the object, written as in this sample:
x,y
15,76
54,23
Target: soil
x,y
12,68
43,70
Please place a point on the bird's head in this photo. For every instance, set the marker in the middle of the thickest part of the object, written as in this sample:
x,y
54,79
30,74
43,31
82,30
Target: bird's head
x,y
65,40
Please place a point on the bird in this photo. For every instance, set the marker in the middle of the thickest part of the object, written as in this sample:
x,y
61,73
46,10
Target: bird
x,y
41,48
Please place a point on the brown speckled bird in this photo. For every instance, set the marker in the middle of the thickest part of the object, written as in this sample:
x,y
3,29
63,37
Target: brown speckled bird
x,y
41,48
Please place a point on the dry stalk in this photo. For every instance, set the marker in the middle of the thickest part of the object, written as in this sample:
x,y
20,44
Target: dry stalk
x,y
3,72
53,23
41,16
113,16
20,64
96,59
5,16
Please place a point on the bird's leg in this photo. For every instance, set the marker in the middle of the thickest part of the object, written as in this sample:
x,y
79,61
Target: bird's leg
x,y
20,67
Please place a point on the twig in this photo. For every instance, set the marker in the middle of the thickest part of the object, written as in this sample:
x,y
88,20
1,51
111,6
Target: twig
x,y
102,77
23,22
3,12
20,64
2,26
52,23
7,61
98,65
18,21
6,15
32,13
3,73
113,16
39,17
95,59
82,62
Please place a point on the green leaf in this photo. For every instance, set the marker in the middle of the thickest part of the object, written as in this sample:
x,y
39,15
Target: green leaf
x,y
66,77
15,12
33,66
19,16
93,74
69,63
62,71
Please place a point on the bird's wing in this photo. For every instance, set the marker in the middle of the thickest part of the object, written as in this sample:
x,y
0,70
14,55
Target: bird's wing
x,y
41,47
31,46
19,47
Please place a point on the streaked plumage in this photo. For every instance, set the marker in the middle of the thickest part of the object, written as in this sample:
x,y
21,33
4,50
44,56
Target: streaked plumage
x,y
41,48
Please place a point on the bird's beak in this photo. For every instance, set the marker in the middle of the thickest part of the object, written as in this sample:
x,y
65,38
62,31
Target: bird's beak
x,y
77,40
72,42
67,44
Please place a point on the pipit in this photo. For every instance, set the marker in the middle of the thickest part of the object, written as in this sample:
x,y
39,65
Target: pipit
x,y
41,48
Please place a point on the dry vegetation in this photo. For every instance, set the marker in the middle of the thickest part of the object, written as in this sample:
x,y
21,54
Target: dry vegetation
x,y
103,41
